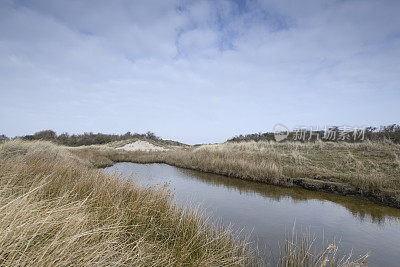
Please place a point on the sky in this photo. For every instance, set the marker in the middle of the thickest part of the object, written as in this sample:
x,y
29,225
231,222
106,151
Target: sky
x,y
197,71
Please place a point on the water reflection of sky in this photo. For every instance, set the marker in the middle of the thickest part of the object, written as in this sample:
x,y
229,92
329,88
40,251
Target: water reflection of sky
x,y
269,211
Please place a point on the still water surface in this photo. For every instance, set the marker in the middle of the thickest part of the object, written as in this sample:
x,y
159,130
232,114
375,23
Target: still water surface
x,y
267,212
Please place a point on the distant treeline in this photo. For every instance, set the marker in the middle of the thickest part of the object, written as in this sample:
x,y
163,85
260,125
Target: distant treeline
x,y
334,133
3,137
86,138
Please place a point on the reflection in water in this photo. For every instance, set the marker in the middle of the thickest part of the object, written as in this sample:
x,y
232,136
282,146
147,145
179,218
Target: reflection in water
x,y
359,208
270,211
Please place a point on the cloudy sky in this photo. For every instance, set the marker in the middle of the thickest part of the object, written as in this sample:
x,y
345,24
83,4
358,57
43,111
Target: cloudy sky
x,y
197,71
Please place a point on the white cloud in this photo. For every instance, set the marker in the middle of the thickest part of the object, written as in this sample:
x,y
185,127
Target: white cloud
x,y
181,68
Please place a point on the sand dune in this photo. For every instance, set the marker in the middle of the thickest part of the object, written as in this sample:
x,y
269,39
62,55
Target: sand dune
x,y
142,145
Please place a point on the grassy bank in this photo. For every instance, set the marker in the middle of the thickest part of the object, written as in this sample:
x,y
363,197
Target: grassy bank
x,y
58,210
370,170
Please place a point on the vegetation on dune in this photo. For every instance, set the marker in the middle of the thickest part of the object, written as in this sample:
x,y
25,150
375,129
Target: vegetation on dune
x,y
383,133
86,139
57,210
368,169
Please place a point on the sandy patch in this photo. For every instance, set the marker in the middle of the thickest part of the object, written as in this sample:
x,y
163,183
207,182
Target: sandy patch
x,y
141,145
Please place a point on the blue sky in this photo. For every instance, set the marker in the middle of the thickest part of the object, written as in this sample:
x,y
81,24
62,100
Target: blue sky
x,y
197,71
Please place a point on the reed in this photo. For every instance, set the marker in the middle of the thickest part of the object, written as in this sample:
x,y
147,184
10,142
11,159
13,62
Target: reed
x,y
303,249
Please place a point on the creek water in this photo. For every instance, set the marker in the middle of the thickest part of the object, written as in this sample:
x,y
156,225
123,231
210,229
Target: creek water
x,y
265,212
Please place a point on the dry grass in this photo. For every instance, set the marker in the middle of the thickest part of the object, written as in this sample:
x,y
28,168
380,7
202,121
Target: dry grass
x,y
57,210
302,249
370,169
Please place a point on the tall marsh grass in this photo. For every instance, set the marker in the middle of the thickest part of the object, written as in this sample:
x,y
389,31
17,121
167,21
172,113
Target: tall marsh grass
x,y
303,249
57,210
